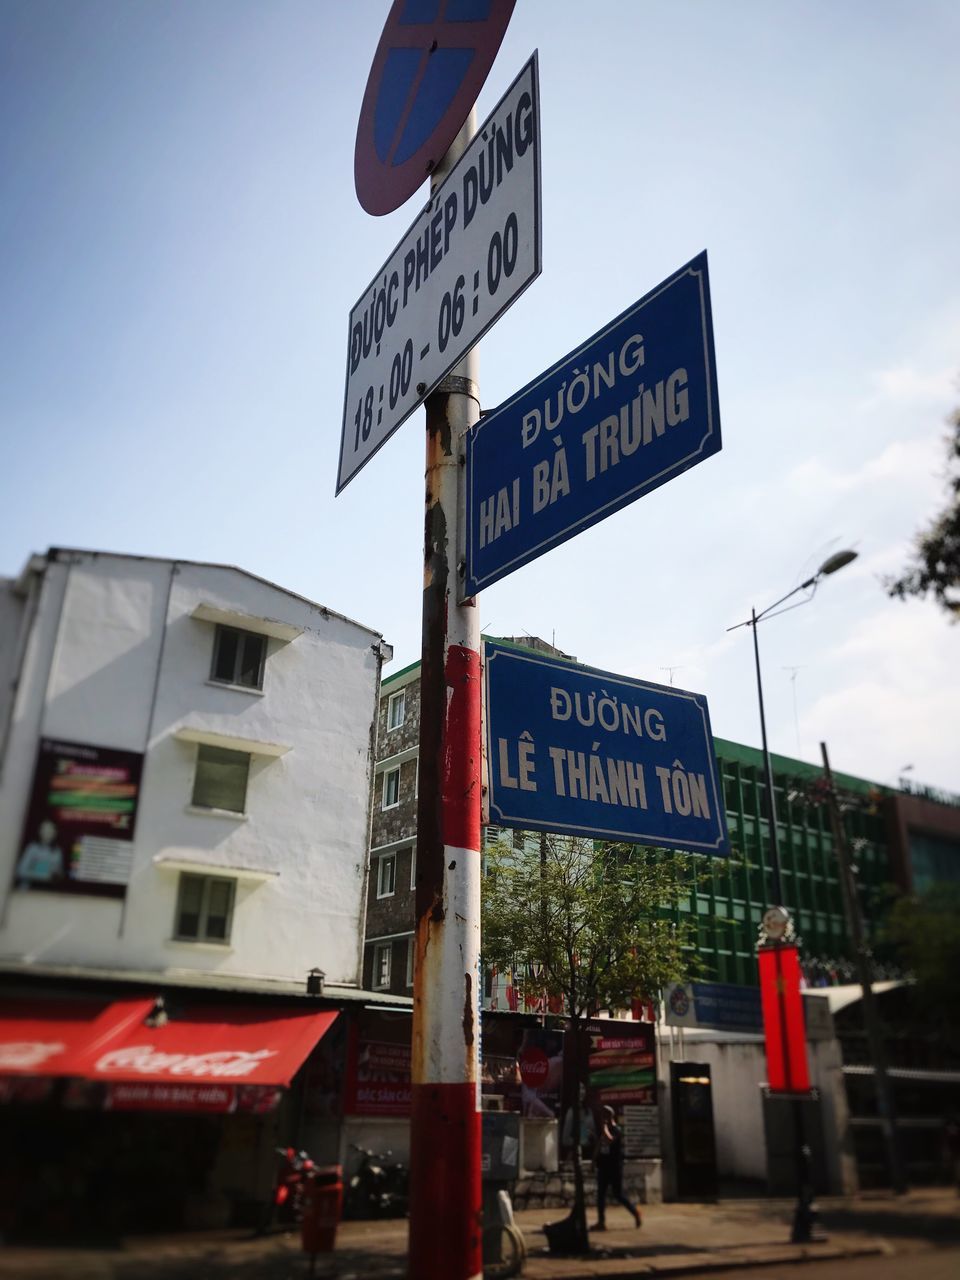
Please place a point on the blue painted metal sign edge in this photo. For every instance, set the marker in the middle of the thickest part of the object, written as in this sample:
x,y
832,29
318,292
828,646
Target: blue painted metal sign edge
x,y
500,815
483,434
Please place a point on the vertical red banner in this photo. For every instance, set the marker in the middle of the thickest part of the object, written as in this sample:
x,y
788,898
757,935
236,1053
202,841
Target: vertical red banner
x,y
783,1024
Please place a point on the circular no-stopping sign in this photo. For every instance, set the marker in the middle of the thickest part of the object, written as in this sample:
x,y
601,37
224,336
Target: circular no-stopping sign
x,y
430,65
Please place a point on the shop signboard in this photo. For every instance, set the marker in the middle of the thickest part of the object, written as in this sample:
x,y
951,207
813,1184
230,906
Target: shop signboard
x,y
378,1079
717,1006
81,818
618,1063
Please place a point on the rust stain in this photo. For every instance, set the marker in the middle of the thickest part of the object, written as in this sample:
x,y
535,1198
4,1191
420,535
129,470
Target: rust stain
x,y
468,1012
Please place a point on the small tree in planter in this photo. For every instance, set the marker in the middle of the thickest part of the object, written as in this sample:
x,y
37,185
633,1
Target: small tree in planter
x,y
597,920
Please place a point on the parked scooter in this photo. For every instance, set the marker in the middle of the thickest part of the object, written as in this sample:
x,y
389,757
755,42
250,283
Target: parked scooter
x,y
378,1187
294,1169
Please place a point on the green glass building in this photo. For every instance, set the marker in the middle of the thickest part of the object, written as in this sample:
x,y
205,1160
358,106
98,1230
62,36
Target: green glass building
x,y
727,907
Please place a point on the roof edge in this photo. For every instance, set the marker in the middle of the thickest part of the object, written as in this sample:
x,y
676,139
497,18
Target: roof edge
x,y
53,553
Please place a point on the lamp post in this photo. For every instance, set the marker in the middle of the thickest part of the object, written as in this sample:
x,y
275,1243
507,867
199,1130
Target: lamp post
x,y
837,561
805,1215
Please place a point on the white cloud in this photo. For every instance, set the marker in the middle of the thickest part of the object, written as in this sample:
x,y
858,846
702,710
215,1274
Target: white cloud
x,y
905,384
909,465
900,698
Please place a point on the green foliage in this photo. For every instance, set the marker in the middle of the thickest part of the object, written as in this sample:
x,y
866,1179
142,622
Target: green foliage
x,y
597,919
925,932
597,922
935,565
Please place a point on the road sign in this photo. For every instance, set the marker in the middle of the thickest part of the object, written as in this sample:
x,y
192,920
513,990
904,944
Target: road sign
x,y
467,257
583,752
427,72
715,1006
624,413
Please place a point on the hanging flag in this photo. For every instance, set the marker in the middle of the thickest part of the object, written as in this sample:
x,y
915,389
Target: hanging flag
x,y
783,1025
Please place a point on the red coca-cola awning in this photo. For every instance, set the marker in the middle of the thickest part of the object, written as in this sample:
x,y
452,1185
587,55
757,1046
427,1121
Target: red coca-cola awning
x,y
199,1058
231,1044
51,1037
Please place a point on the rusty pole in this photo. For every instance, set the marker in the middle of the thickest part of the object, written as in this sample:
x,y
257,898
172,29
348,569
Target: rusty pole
x,y
445,1190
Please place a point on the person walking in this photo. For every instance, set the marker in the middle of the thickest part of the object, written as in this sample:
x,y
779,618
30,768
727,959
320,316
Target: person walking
x,y
609,1161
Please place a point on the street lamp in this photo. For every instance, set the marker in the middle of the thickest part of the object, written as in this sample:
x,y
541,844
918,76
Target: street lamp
x,y
776,920
838,560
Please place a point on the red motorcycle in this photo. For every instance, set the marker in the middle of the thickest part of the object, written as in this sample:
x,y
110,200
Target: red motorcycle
x,y
294,1169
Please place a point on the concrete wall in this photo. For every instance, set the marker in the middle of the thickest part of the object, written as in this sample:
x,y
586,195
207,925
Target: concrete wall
x,y
13,609
117,659
738,1071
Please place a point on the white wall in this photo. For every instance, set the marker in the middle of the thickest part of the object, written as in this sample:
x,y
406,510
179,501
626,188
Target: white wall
x,y
13,607
738,1069
117,660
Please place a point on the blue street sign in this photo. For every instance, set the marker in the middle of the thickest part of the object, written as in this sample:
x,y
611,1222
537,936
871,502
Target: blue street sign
x,y
623,414
583,752
717,1006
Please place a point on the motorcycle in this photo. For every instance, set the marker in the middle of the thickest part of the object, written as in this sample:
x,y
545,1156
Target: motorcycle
x,y
378,1187
294,1169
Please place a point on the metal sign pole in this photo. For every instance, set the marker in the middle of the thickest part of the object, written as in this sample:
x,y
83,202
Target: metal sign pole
x,y
445,1131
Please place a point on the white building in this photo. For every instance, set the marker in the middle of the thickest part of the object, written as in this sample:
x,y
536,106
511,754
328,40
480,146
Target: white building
x,y
246,711
186,759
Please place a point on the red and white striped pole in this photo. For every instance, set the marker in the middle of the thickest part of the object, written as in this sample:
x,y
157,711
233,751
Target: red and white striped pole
x,y
445,1133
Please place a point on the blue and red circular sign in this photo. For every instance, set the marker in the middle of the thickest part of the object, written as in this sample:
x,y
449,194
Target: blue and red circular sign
x,y
430,65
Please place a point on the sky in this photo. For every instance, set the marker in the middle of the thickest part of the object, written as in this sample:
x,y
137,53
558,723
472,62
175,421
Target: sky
x,y
181,245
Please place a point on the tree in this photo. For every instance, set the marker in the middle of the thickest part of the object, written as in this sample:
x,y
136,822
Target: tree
x,y
936,557
596,922
925,930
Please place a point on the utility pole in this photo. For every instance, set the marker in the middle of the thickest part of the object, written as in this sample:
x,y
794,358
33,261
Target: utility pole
x,y
871,1016
805,1222
445,1132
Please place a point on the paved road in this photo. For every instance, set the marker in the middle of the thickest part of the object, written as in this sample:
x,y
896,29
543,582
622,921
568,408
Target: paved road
x,y
931,1264
916,1237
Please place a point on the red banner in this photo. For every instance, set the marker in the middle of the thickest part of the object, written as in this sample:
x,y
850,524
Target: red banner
x,y
783,1025
378,1078
171,1097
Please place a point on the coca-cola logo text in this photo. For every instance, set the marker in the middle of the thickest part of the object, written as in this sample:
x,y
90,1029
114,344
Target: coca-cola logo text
x,y
146,1060
534,1066
24,1055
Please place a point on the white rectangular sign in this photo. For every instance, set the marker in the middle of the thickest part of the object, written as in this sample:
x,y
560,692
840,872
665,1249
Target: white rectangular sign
x,y
470,253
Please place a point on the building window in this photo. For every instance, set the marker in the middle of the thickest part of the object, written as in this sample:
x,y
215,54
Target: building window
x,y
396,707
238,657
204,908
410,951
391,788
381,965
387,876
220,781
413,866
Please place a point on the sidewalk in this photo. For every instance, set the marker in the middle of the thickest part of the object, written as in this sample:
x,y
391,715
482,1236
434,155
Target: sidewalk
x,y
676,1239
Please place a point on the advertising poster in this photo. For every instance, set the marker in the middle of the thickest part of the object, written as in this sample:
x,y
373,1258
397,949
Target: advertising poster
x,y
618,1063
622,1063
378,1078
522,1069
78,833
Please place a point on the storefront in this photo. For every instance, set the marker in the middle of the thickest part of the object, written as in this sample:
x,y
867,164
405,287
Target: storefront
x,y
147,1113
